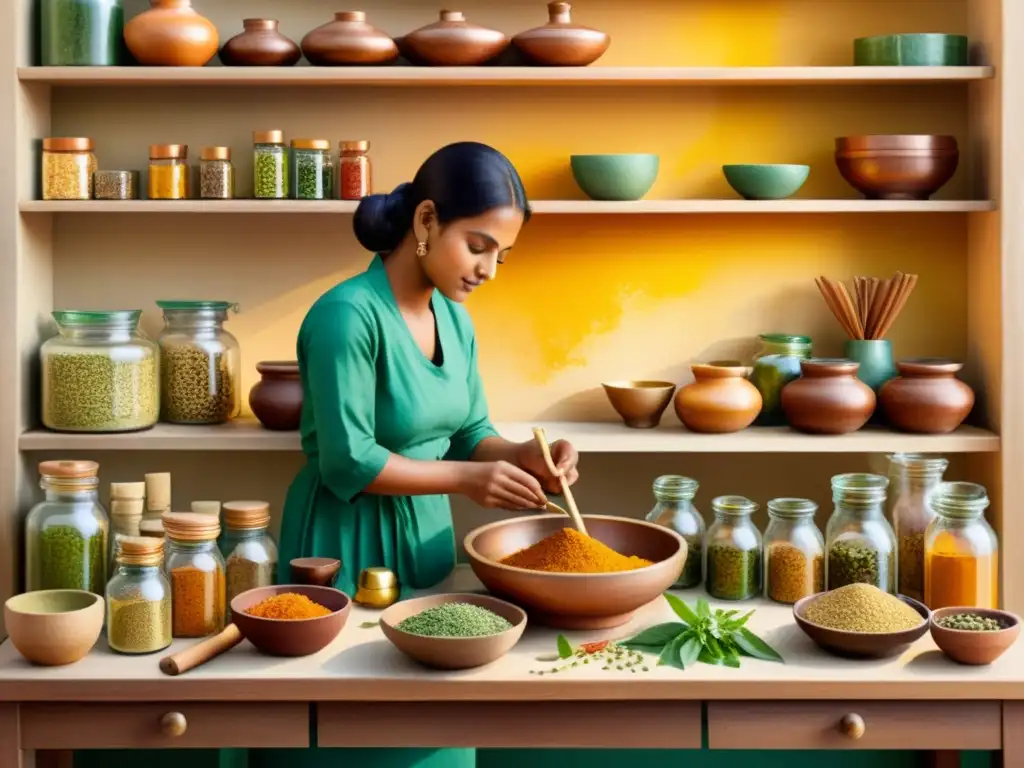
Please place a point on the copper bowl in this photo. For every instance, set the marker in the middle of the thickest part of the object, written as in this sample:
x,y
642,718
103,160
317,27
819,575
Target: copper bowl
x,y
897,167
577,600
640,403
300,637
896,141
975,648
867,645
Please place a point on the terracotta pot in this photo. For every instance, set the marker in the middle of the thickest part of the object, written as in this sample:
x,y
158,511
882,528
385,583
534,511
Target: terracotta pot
x,y
453,42
349,40
926,397
828,399
276,399
720,400
560,43
260,45
171,34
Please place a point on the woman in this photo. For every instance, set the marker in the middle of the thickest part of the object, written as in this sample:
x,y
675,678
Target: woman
x,y
394,418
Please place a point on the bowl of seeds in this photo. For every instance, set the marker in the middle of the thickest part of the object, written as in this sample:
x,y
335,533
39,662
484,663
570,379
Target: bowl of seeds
x,y
974,636
862,621
454,631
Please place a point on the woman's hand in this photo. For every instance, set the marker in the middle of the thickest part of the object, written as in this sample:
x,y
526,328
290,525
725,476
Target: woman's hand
x,y
502,485
531,458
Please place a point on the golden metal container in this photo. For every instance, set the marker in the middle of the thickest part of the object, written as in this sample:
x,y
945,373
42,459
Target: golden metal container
x,y
378,588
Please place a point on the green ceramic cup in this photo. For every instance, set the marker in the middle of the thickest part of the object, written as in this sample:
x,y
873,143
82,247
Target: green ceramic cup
x,y
765,181
615,177
875,358
917,50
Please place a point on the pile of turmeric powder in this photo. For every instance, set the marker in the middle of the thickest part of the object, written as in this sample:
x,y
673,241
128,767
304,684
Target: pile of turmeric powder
x,y
288,605
569,551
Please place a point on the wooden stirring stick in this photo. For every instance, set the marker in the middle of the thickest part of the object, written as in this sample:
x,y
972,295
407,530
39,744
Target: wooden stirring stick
x,y
574,513
552,507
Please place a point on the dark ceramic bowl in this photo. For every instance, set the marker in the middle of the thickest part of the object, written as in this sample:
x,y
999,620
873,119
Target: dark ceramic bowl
x,y
975,648
299,637
315,571
861,644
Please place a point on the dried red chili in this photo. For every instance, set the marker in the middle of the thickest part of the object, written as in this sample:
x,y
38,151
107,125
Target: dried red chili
x,y
594,647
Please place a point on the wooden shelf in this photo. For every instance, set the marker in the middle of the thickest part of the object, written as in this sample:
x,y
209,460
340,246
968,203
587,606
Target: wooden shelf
x,y
568,207
588,437
460,76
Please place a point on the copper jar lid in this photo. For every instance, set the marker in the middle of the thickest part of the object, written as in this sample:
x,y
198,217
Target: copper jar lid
x,y
215,153
168,151
69,469
895,142
321,144
268,137
354,146
79,144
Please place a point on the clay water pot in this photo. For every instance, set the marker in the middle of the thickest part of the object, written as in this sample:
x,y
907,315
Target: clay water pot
x,y
349,40
260,45
719,400
276,400
560,42
828,399
926,397
453,42
171,34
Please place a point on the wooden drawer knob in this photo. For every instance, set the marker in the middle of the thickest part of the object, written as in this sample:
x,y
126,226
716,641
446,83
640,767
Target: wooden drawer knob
x,y
173,724
852,725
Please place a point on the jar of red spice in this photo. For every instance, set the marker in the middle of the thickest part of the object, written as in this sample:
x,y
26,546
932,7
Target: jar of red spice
x,y
355,177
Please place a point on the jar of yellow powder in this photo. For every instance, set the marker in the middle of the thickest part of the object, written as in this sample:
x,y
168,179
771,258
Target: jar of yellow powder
x,y
168,171
67,168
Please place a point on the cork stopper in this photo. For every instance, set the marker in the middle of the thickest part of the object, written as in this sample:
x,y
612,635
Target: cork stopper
x,y
206,508
188,526
158,491
246,515
152,528
140,550
126,508
132,491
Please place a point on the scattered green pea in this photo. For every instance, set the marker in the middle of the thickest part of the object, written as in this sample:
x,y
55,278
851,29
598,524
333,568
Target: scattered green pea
x,y
970,622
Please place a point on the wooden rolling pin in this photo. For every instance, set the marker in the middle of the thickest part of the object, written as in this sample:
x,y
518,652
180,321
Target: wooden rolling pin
x,y
574,513
201,652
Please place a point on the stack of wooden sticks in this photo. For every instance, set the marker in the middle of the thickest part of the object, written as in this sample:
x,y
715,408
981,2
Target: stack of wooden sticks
x,y
874,306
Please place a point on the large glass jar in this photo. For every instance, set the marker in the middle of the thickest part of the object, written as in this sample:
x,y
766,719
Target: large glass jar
x,y
248,548
168,172
913,478
355,174
195,568
961,561
312,170
269,165
777,363
139,598
673,508
81,33
200,363
794,551
99,373
860,547
66,533
68,165
732,552
216,174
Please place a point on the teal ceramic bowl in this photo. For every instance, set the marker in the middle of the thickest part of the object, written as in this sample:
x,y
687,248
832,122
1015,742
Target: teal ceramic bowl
x,y
919,50
615,177
766,182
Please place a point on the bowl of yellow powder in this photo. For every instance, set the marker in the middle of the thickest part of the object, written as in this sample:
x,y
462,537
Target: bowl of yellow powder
x,y
860,620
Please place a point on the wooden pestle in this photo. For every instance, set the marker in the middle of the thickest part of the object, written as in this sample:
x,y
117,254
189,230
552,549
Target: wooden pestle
x,y
574,513
201,652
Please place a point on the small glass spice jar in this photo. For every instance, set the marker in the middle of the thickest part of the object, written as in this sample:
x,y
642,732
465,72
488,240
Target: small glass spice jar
x,y
794,551
126,507
673,508
269,165
732,552
195,568
168,172
777,363
355,171
68,165
139,615
115,185
860,547
216,174
961,556
247,546
913,477
312,170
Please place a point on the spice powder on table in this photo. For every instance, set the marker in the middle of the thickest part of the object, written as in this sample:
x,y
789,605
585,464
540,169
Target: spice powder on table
x,y
569,551
289,606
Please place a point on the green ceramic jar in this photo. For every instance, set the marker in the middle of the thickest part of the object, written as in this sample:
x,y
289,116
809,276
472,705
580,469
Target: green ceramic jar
x,y
776,364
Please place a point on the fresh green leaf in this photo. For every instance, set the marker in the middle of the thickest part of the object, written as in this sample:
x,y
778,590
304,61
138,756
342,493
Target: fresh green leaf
x,y
724,615
714,629
714,648
564,648
753,646
670,653
656,637
708,658
703,609
368,624
681,609
737,623
731,658
688,652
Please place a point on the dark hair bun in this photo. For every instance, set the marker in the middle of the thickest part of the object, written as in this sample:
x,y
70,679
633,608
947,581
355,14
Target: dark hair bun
x,y
381,221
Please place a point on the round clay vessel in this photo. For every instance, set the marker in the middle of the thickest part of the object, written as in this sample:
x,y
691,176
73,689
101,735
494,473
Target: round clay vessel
x,y
560,42
349,40
276,400
171,34
926,397
453,42
828,399
719,400
260,45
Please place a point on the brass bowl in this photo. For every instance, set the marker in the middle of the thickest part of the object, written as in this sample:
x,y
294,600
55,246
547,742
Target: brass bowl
x,y
640,403
897,167
577,600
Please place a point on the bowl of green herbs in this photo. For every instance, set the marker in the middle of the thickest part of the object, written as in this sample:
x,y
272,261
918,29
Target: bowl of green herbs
x,y
974,636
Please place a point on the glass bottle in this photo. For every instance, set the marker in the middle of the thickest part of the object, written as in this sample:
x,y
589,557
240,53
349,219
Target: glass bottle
x,y
312,170
66,533
168,172
913,478
961,562
84,33
732,550
777,363
126,508
247,546
355,170
68,165
794,551
216,174
673,508
99,373
269,165
860,547
200,363
195,568
139,615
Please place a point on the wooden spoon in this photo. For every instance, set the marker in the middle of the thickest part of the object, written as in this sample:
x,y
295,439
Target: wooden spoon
x,y
574,512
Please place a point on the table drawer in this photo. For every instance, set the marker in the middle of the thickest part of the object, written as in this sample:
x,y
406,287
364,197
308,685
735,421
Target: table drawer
x,y
909,725
162,726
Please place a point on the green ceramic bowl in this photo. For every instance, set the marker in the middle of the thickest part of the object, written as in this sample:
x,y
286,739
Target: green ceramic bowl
x,y
615,177
922,50
766,182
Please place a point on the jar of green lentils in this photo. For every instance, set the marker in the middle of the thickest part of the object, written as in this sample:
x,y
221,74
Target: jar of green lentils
x,y
99,373
200,363
673,508
66,533
860,546
732,550
269,165
312,170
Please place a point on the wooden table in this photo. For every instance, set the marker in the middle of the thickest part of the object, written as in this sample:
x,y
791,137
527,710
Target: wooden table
x,y
360,686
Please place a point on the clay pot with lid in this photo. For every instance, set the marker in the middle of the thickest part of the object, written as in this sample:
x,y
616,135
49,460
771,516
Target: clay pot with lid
x,y
720,399
260,44
560,42
926,397
828,398
349,40
453,42
171,34
276,400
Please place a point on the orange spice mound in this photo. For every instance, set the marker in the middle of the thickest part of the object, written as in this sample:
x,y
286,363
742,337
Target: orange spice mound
x,y
288,605
569,551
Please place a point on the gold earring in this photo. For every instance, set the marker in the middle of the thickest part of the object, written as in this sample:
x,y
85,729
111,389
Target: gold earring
x,y
421,249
